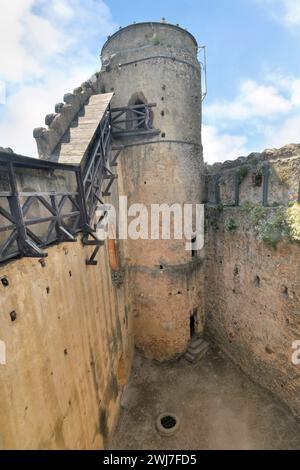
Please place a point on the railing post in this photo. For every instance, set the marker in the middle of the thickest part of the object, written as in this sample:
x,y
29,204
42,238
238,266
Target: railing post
x,y
82,202
266,174
61,233
237,183
217,189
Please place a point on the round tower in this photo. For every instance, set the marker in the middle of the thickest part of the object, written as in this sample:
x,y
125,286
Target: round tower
x,y
161,163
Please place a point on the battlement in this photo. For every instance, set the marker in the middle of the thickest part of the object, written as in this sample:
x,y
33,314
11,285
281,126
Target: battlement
x,y
59,123
271,177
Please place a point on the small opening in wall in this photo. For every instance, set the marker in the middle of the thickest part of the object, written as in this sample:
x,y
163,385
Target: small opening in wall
x,y
193,323
141,117
162,113
163,135
145,182
13,315
285,291
5,282
162,98
161,266
193,251
257,281
257,178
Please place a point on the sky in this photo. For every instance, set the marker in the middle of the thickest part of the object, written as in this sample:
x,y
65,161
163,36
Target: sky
x,y
49,47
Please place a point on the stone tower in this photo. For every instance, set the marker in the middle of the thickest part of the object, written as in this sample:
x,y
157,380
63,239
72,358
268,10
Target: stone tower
x,y
156,63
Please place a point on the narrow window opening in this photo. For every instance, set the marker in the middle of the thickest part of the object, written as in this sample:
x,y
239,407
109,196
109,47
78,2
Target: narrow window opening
x,y
138,116
193,250
193,323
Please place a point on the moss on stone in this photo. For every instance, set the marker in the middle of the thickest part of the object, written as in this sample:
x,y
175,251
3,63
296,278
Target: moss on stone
x,y
242,173
272,228
231,225
293,221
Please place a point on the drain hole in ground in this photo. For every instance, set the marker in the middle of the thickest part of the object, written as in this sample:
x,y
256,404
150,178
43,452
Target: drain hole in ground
x,y
168,422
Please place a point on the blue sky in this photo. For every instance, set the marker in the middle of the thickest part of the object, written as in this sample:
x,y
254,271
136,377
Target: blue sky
x,y
48,47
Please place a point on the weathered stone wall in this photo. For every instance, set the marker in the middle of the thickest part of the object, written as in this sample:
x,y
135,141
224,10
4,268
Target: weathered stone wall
x,y
252,280
283,181
68,336
158,62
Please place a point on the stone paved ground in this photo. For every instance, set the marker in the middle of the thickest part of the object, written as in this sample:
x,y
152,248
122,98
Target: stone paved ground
x,y
218,405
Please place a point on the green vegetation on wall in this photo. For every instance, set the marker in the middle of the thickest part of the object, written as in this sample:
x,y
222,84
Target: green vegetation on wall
x,y
231,225
242,173
275,224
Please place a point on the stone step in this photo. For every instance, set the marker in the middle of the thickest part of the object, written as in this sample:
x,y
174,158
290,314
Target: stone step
x,y
196,350
195,357
189,357
196,342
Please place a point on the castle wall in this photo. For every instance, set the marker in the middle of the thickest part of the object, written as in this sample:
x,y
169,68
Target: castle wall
x,y
283,178
252,276
68,337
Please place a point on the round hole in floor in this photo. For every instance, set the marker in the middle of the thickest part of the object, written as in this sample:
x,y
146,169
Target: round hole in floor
x,y
167,424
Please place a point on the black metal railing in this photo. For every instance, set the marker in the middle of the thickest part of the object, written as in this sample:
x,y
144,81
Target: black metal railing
x,y
96,168
44,202
34,211
132,119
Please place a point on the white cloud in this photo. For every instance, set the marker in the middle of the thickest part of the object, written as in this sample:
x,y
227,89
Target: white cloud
x,y
218,146
285,132
261,115
286,12
292,12
26,109
253,100
26,41
62,9
46,50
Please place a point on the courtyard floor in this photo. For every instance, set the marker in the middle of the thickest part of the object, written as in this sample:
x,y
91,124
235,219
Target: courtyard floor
x,y
219,407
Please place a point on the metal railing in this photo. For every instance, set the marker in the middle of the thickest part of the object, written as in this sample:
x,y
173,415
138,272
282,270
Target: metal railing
x,y
34,217
131,119
43,202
